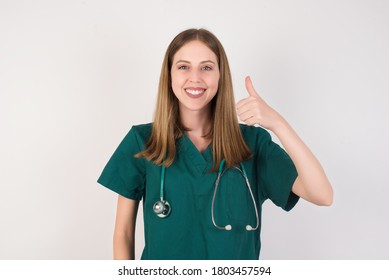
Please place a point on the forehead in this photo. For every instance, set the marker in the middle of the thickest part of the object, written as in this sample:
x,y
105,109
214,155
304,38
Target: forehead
x,y
195,51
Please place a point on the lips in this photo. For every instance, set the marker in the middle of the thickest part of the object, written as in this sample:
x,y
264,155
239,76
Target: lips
x,y
195,92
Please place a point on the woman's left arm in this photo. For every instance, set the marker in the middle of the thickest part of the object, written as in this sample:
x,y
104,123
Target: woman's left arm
x,y
312,183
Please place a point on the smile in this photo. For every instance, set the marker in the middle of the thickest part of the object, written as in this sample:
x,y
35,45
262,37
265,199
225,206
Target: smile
x,y
195,92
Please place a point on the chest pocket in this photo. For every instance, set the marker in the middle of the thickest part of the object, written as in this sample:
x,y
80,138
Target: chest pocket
x,y
239,205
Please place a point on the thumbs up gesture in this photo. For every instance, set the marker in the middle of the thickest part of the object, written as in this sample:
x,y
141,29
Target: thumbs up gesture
x,y
254,110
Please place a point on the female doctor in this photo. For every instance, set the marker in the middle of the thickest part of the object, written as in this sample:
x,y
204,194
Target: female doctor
x,y
203,176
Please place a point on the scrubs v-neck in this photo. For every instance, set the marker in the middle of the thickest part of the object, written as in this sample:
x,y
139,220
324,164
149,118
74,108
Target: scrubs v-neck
x,y
188,232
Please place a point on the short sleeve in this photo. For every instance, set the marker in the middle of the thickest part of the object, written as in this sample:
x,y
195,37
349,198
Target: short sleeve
x,y
277,173
125,174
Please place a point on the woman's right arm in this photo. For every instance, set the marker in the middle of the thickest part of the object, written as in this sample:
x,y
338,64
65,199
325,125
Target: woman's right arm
x,y
124,235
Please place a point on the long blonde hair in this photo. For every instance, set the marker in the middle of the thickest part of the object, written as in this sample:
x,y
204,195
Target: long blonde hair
x,y
227,140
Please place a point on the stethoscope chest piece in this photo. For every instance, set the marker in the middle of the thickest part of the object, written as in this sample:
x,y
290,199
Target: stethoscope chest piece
x,y
162,208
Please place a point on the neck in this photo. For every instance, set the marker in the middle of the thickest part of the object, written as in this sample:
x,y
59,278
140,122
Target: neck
x,y
198,123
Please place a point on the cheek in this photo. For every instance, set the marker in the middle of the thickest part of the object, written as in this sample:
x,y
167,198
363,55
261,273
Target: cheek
x,y
177,77
175,82
214,82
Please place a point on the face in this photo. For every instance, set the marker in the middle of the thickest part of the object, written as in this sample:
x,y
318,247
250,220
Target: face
x,y
195,76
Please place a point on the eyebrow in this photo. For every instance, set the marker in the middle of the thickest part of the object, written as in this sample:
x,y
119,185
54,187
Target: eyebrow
x,y
202,62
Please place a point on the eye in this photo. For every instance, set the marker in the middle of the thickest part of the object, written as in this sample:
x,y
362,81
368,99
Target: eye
x,y
183,67
206,68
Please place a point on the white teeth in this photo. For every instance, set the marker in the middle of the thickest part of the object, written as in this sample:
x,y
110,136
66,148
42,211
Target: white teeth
x,y
194,92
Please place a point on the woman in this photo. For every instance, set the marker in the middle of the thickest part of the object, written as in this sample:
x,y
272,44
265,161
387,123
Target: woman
x,y
190,165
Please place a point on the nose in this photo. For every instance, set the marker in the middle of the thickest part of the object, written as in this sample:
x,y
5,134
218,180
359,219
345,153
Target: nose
x,y
195,76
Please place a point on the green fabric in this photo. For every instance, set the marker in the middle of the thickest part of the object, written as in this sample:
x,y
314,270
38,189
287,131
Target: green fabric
x,y
188,233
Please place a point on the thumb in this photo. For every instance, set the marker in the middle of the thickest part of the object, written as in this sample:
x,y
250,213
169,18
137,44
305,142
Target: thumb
x,y
250,87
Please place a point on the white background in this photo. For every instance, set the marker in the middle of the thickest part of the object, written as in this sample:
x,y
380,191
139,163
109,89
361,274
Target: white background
x,y
76,75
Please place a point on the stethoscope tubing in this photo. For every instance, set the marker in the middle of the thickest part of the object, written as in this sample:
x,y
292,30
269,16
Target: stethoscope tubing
x,y
161,189
244,174
162,207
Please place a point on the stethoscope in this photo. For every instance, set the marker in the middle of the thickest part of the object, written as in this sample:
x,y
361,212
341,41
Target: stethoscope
x,y
162,207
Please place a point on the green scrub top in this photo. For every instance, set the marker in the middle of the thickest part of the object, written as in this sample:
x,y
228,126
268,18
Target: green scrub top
x,y
188,232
